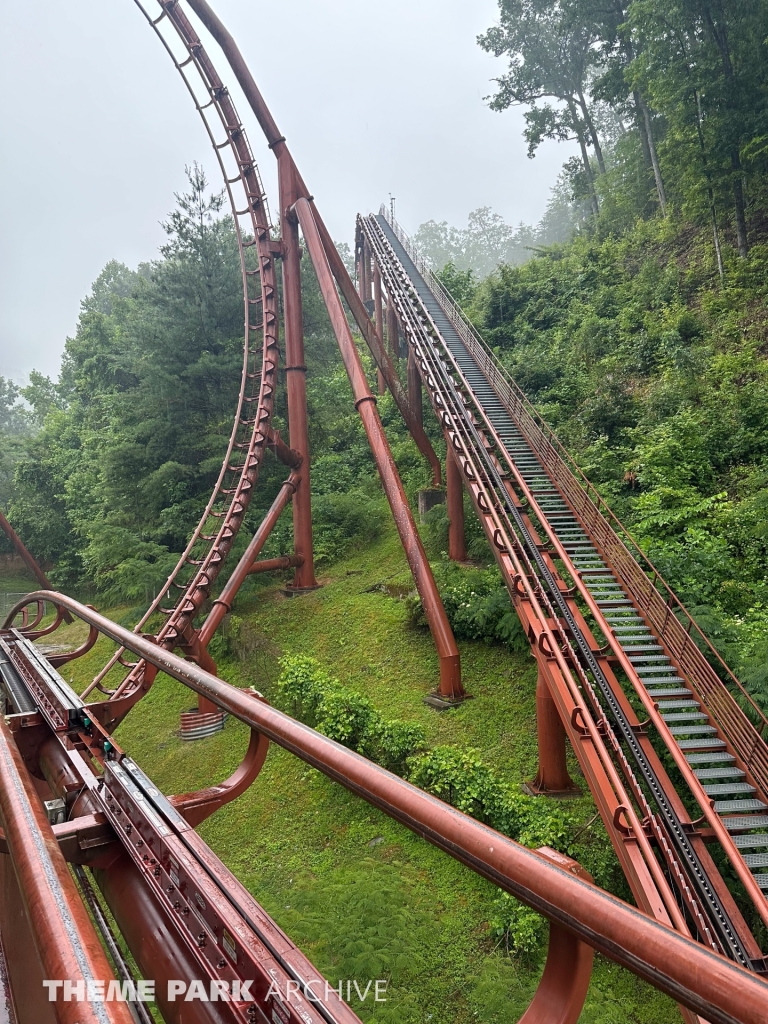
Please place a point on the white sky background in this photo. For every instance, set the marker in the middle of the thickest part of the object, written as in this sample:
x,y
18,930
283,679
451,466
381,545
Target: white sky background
x,y
374,96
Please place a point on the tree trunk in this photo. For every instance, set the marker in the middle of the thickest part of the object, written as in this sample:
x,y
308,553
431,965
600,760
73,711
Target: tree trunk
x,y
645,127
719,33
654,156
579,129
739,205
592,132
711,194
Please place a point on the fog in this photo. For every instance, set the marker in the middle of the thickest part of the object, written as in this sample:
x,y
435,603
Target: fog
x,y
374,98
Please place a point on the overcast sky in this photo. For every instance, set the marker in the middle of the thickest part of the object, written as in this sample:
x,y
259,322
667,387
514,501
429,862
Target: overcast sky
x,y
374,96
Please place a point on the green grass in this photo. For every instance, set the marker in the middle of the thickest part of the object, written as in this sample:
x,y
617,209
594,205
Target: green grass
x,y
362,896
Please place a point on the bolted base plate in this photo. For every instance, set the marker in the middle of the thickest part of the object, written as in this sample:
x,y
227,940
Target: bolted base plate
x,y
436,700
298,591
533,789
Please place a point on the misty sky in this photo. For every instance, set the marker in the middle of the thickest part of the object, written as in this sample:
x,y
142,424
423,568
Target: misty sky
x,y
374,96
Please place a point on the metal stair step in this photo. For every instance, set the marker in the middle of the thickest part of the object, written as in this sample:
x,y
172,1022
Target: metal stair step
x,y
668,705
637,658
684,716
700,744
756,860
751,841
729,788
692,730
719,758
672,692
724,772
741,823
637,650
661,682
762,881
735,806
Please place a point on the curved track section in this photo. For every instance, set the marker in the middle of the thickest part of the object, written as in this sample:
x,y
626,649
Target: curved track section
x,y
610,657
212,539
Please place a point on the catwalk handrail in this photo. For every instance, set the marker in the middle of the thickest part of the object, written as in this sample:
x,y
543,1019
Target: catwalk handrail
x,y
675,964
597,517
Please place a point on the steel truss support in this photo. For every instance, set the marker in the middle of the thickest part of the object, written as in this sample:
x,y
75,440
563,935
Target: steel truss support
x,y
393,334
563,987
378,312
414,388
329,266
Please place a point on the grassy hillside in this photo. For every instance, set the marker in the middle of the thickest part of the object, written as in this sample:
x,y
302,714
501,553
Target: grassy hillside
x,y
360,894
654,374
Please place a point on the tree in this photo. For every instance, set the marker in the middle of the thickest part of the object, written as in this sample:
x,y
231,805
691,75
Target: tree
x,y
551,56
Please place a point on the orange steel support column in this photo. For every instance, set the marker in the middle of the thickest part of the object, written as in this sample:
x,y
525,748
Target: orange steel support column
x,y
378,307
393,338
366,272
552,777
223,603
295,372
562,990
365,402
454,480
414,389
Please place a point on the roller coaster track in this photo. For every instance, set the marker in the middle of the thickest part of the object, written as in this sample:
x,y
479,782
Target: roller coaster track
x,y
613,639
683,794
200,563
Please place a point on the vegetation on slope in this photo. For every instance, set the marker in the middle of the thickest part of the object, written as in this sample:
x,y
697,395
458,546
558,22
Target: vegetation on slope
x,y
655,378
361,895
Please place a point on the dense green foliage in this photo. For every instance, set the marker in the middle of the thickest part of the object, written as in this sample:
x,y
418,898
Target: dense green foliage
x,y
458,775
656,380
668,102
134,431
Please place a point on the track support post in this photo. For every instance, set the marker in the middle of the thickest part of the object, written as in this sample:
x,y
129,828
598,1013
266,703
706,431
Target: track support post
x,y
393,333
378,307
295,372
451,689
552,778
560,997
454,480
414,389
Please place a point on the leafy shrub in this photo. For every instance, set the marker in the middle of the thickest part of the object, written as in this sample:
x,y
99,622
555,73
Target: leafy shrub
x,y
517,926
478,606
344,715
348,718
343,521
301,684
397,742
462,779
